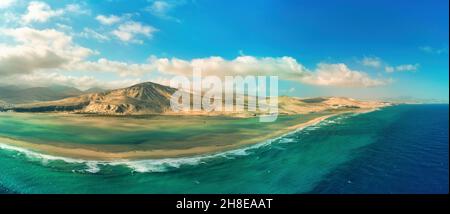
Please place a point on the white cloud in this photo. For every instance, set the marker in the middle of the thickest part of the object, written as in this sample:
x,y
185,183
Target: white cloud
x,y
76,8
372,62
161,9
108,20
105,65
6,3
89,33
341,76
23,59
40,12
52,78
37,54
64,28
389,69
9,18
38,49
376,62
127,31
286,68
431,50
405,67
82,82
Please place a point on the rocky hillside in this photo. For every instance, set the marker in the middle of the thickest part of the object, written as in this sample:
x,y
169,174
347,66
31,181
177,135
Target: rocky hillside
x,y
152,98
144,98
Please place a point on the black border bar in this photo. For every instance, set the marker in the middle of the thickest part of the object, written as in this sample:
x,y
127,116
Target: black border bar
x,y
168,202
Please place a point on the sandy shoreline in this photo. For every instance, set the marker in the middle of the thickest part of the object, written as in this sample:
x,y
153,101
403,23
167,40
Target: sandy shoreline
x,y
89,154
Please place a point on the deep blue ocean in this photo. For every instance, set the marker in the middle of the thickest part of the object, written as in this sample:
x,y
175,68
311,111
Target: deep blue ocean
x,y
409,156
398,149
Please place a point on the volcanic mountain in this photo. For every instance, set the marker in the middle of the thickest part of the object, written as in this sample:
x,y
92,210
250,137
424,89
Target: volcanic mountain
x,y
152,98
144,98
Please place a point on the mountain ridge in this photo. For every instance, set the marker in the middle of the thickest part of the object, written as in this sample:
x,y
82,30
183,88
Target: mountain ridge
x,y
17,95
153,98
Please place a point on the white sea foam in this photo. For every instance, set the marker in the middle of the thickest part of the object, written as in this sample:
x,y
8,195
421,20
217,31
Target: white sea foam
x,y
37,155
92,167
286,140
147,165
161,165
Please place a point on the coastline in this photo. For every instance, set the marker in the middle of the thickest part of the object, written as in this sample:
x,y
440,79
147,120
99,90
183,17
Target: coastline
x,y
98,155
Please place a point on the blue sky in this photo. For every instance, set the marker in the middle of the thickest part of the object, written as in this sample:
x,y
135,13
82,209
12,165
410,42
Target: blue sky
x,y
363,49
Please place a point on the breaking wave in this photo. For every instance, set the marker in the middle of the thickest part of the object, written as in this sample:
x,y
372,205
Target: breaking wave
x,y
162,165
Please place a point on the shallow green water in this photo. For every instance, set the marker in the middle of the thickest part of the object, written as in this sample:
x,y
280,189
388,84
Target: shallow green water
x,y
127,134
300,162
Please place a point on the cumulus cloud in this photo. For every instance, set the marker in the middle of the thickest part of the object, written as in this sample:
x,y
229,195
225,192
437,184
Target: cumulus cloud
x,y
105,65
40,56
127,31
341,76
25,60
108,20
6,3
372,62
286,68
82,82
77,9
40,12
52,78
38,49
43,50
9,18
